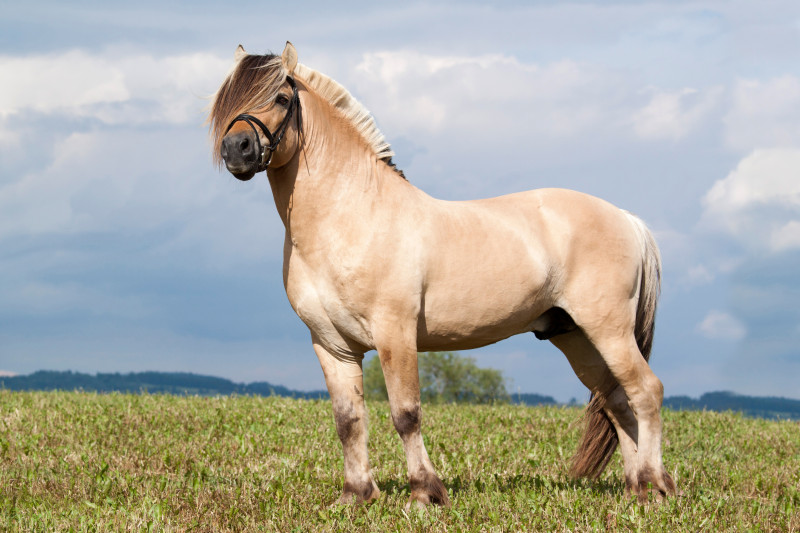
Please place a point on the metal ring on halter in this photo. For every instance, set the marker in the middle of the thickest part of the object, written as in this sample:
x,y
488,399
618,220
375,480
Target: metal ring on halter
x,y
265,152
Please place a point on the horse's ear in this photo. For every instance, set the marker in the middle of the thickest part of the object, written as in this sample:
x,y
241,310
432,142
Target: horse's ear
x,y
289,58
239,54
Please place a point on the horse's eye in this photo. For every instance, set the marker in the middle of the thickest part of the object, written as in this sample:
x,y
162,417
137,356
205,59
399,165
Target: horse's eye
x,y
282,100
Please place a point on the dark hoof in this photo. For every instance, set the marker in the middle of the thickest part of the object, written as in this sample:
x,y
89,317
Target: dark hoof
x,y
427,489
660,487
357,494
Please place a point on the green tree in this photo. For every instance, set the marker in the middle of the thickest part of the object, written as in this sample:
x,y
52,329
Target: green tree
x,y
444,377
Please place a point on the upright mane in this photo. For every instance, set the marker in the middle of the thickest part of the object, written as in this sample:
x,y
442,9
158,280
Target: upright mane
x,y
253,84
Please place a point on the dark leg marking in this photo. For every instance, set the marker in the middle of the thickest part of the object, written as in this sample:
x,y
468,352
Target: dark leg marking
x,y
346,423
408,421
671,487
663,487
646,477
385,357
629,484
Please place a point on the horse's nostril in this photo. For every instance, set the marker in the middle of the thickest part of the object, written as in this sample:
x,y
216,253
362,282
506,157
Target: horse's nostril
x,y
244,145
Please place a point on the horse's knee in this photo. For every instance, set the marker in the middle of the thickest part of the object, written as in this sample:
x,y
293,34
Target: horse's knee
x,y
407,420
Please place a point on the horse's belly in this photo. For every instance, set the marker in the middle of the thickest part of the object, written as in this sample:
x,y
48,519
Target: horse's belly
x,y
463,332
476,311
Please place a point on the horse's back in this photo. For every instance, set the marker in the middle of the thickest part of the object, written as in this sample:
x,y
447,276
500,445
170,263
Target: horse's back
x,y
540,223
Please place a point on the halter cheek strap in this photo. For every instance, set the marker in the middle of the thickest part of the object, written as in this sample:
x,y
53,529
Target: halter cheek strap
x,y
274,138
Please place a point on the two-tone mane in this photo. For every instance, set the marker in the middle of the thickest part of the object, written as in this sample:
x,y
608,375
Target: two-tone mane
x,y
253,84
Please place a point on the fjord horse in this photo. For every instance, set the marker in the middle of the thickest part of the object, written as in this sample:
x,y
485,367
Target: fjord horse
x,y
372,262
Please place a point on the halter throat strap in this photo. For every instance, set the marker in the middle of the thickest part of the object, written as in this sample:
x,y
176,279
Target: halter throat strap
x,y
265,152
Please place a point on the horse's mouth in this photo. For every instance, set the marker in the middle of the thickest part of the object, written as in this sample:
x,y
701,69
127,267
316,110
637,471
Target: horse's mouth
x,y
243,172
244,176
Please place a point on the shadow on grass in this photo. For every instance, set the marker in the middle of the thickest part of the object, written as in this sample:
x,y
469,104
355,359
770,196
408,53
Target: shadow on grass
x,y
524,482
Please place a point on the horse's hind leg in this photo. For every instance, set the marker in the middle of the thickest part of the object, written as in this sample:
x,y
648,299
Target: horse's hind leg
x,y
593,372
399,363
645,394
620,414
344,378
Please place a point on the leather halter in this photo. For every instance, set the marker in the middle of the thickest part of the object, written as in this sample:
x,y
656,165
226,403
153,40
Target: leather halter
x,y
274,138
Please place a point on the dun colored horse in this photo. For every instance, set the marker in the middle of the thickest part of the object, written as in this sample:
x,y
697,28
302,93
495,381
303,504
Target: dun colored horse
x,y
372,262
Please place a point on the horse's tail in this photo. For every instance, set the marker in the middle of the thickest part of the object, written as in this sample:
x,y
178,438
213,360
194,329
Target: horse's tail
x,y
650,288
600,437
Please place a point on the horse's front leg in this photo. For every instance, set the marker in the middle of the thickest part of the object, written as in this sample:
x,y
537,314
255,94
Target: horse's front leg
x,y
399,363
344,378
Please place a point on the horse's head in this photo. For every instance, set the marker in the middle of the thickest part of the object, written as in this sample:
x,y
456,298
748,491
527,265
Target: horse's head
x,y
255,117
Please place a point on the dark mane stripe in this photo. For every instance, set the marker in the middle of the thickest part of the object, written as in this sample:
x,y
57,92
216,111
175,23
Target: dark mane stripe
x,y
251,85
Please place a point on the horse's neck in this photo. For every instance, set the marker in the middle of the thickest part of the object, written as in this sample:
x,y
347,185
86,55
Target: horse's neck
x,y
335,174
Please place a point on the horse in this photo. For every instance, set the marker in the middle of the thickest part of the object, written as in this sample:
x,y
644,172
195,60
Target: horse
x,y
371,262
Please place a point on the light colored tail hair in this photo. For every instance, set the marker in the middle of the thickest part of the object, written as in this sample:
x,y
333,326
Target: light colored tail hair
x,y
600,438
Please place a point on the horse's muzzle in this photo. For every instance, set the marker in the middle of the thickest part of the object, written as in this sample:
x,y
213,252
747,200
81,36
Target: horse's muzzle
x,y
240,152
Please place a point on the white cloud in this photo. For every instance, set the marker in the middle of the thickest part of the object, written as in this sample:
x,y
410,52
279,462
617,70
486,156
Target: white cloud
x,y
764,113
671,115
112,87
786,237
700,274
722,326
109,183
483,95
758,203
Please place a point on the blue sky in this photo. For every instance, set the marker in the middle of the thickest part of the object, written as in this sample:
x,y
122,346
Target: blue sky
x,y
123,249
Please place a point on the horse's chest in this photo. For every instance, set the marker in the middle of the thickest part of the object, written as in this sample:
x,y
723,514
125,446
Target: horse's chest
x,y
323,304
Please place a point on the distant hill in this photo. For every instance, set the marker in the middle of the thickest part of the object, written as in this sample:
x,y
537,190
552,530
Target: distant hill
x,y
151,382
184,383
754,406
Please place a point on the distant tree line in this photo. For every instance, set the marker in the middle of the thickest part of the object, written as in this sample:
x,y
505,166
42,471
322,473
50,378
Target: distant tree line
x,y
445,377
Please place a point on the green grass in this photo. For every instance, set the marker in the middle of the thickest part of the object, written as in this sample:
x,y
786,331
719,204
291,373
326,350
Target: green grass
x,y
117,462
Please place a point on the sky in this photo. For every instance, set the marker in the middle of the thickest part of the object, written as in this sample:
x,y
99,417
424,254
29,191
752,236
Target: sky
x,y
122,247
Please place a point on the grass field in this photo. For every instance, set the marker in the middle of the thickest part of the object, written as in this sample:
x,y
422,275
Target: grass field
x,y
89,462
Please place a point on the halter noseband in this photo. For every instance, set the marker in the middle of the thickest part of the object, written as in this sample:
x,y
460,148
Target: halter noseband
x,y
265,152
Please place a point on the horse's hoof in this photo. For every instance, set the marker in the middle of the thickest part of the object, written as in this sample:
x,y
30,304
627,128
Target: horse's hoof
x,y
427,489
415,504
352,494
661,487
